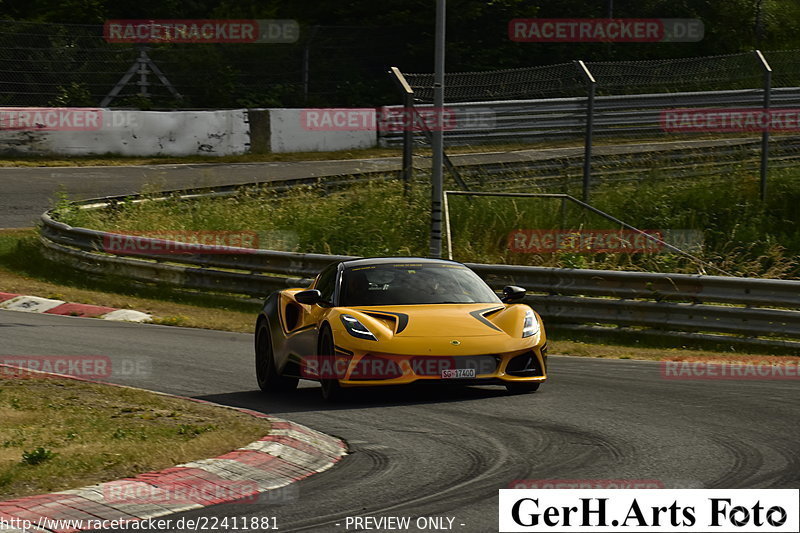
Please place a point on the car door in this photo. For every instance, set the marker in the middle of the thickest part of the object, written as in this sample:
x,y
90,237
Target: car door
x,y
303,342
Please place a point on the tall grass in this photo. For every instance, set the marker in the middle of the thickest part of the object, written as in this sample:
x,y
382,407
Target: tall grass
x,y
741,234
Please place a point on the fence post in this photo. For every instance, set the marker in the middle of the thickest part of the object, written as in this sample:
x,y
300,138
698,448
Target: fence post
x,y
587,142
437,144
307,61
408,133
408,141
765,133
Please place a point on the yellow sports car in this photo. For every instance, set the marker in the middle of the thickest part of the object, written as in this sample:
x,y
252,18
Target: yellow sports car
x,y
395,321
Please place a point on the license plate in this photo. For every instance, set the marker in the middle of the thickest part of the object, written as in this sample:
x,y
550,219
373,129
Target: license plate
x,y
458,373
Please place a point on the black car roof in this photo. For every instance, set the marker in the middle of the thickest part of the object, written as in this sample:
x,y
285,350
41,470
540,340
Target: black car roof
x,y
392,260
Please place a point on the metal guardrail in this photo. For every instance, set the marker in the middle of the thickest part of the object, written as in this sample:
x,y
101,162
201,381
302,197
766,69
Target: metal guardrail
x,y
739,311
635,115
613,117
714,158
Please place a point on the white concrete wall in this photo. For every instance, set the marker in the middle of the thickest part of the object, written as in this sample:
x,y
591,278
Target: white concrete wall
x,y
291,131
133,133
180,133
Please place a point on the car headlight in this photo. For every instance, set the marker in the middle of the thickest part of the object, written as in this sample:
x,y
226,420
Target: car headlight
x,y
356,328
530,326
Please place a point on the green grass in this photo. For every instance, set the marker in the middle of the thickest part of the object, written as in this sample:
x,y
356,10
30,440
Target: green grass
x,y
23,270
740,234
60,433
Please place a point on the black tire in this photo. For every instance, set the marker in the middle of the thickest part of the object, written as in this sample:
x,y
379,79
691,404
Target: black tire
x,y
522,387
269,380
331,390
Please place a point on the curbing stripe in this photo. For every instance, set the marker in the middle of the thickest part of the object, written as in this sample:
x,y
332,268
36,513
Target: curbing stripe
x,y
127,315
30,304
292,453
96,499
133,511
296,428
68,309
6,296
302,440
35,304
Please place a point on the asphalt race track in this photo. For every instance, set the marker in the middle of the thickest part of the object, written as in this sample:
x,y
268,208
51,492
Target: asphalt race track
x,y
446,452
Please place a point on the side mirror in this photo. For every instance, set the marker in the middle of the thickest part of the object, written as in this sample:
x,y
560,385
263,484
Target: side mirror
x,y
513,293
308,297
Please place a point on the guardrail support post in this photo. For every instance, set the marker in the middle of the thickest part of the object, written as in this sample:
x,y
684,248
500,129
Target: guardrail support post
x,y
765,134
437,188
408,143
408,134
587,143
447,233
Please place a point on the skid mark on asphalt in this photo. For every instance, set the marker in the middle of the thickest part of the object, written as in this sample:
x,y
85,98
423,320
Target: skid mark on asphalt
x,y
485,457
758,465
475,467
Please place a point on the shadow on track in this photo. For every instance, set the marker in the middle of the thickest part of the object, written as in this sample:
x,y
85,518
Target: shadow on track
x,y
309,398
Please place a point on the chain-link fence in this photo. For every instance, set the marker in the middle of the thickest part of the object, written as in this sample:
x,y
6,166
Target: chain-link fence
x,y
621,121
701,151
72,65
713,73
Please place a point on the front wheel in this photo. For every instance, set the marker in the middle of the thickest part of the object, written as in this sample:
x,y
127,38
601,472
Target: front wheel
x,y
331,390
267,375
517,387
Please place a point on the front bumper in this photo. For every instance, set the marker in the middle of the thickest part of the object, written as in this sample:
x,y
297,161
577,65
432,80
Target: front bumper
x,y
375,369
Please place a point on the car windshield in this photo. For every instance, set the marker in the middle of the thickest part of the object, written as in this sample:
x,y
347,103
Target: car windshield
x,y
413,283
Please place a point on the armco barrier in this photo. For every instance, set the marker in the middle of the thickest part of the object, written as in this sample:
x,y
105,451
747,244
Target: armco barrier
x,y
739,311
632,115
